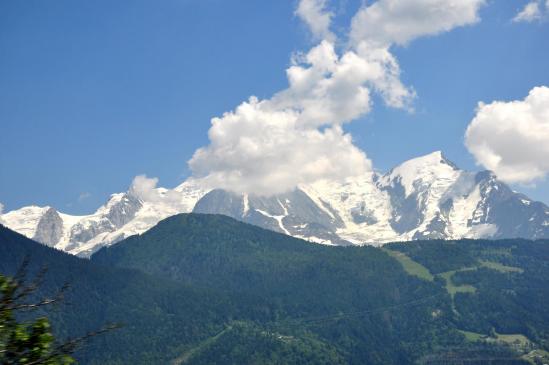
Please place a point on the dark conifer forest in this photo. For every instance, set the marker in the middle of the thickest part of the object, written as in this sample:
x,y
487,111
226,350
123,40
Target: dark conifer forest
x,y
204,289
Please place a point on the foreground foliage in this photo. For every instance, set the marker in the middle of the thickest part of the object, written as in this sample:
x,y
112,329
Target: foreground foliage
x,y
27,343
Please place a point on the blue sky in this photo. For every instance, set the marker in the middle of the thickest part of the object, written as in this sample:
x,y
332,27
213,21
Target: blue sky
x,y
95,93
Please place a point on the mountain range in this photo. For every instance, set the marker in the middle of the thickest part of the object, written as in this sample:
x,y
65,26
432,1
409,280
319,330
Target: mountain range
x,y
428,197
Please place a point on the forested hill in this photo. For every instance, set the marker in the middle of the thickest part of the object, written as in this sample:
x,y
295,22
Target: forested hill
x,y
205,288
160,318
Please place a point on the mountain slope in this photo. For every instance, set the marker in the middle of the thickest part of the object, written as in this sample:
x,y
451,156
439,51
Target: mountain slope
x,y
424,198
160,318
359,300
300,281
200,287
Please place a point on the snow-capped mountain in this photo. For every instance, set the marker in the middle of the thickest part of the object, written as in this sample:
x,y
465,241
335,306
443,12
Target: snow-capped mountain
x,y
423,198
124,215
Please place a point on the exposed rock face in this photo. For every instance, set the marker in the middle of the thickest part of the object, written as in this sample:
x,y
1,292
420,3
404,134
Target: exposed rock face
x,y
291,213
115,214
50,228
514,214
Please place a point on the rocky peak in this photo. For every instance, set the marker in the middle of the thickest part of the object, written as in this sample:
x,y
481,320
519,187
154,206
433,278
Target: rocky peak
x,y
50,228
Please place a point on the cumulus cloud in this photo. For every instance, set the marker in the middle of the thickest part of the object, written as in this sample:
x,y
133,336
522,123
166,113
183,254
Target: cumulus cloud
x,y
264,151
532,11
387,22
1,212
145,189
271,146
512,138
318,19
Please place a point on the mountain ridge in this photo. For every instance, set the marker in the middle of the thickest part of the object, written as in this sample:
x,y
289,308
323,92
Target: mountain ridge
x,y
427,197
424,198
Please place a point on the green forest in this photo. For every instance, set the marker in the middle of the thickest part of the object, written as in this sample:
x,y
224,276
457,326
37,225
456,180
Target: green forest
x,y
203,289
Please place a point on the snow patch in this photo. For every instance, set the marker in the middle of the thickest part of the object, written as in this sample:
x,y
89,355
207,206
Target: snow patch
x,y
278,218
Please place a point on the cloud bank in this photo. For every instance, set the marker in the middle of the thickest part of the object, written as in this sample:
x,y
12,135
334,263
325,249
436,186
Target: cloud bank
x,y
270,146
512,138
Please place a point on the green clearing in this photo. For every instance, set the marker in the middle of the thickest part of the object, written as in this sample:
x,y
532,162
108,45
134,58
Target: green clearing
x,y
410,266
472,336
414,268
514,339
518,342
452,288
500,267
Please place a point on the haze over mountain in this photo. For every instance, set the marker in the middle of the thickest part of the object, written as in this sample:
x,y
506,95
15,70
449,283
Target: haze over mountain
x,y
424,198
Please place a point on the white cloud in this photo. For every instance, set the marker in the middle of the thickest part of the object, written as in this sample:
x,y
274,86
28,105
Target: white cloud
x,y
270,146
314,14
388,22
259,150
1,212
327,89
531,12
145,189
512,138
386,78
